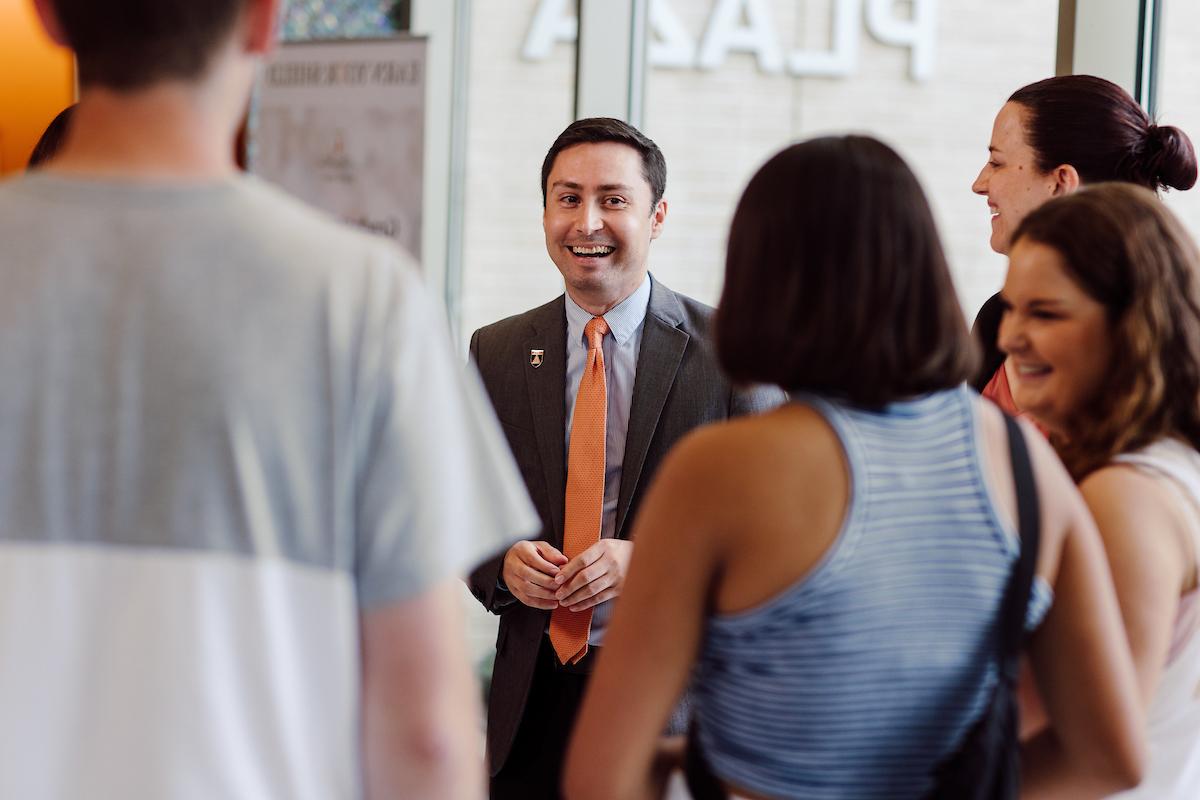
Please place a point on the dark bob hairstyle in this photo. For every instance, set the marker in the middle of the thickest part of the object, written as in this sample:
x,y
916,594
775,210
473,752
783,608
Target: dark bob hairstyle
x,y
835,280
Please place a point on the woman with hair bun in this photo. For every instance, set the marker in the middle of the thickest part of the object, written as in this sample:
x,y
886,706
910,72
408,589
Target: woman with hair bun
x,y
1049,139
1102,323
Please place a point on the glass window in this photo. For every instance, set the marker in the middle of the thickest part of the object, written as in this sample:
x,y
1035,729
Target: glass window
x,y
1179,92
732,82
521,95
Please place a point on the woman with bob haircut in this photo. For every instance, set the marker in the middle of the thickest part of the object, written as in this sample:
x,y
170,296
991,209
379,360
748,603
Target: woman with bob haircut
x,y
1051,138
1102,320
834,568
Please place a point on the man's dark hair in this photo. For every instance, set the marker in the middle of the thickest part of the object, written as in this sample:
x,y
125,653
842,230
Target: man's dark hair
x,y
835,279
131,44
594,130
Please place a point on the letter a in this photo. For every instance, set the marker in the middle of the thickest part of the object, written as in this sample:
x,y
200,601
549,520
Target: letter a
x,y
726,34
552,22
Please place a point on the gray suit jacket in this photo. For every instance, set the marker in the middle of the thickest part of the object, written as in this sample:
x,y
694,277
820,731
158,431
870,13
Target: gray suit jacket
x,y
678,386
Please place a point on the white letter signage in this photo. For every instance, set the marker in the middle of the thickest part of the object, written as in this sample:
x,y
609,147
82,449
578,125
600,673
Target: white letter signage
x,y
553,22
747,26
918,33
726,33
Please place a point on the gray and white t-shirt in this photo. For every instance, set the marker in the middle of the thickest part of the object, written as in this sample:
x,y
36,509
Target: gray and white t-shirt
x,y
227,426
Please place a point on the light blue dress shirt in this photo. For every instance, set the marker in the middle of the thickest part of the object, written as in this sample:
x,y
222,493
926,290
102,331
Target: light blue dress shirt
x,y
621,346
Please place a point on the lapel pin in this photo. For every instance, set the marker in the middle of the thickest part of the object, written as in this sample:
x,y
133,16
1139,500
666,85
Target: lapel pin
x,y
535,358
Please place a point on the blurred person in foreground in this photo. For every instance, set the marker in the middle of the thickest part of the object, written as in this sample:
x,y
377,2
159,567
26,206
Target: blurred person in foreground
x,y
240,467
1102,320
1050,139
834,569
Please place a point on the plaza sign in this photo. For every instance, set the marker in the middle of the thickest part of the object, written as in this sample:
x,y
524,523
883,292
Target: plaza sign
x,y
747,26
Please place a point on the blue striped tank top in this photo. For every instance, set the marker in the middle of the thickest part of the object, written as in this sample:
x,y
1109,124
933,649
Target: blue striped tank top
x,y
858,679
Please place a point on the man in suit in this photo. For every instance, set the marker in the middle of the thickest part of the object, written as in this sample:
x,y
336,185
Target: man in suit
x,y
592,388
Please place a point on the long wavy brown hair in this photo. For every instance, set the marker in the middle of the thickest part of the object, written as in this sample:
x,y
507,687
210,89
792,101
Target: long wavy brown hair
x,y
1129,253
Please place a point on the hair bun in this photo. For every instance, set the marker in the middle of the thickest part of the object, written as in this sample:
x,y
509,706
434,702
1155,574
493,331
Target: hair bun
x,y
1170,159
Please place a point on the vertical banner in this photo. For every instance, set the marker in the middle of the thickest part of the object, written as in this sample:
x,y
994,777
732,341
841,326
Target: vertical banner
x,y
340,124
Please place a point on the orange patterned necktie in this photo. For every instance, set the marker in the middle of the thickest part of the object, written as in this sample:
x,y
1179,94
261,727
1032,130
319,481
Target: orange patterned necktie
x,y
585,488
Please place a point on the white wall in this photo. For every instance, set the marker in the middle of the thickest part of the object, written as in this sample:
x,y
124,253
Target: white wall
x,y
1179,92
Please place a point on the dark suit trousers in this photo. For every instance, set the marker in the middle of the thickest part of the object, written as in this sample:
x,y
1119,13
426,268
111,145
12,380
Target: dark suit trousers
x,y
534,767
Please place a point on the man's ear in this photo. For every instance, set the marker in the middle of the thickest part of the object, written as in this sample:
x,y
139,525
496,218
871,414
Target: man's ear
x,y
262,17
1066,180
49,17
657,218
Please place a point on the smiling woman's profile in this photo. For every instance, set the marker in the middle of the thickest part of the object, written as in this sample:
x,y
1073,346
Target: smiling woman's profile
x,y
1050,139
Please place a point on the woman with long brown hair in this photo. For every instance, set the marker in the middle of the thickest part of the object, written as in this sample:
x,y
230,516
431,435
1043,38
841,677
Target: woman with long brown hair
x,y
1102,326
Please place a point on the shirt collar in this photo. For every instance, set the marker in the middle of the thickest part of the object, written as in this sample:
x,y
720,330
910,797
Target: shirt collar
x,y
623,319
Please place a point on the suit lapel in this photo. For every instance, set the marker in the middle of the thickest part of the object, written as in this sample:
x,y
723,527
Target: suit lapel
x,y
663,345
547,400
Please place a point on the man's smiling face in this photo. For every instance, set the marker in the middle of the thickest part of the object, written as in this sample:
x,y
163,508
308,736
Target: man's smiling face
x,y
600,218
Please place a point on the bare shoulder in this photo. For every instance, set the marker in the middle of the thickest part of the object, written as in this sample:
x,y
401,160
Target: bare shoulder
x,y
1062,510
1122,479
1146,523
723,474
1048,468
1046,464
792,435
745,487
1124,497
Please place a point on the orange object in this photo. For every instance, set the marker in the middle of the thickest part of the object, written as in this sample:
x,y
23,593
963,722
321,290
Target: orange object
x,y
585,488
39,82
999,391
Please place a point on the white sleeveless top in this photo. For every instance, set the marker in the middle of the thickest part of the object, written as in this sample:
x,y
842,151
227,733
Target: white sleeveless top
x,y
1173,720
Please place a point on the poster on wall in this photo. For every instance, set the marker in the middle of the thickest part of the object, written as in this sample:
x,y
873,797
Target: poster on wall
x,y
340,124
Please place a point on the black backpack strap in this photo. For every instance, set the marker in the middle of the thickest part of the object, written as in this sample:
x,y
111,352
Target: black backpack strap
x,y
1016,597
702,784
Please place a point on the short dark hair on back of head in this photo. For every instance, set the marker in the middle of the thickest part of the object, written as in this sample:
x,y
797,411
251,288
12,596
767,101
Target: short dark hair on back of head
x,y
1096,127
594,130
1127,251
835,279
131,44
